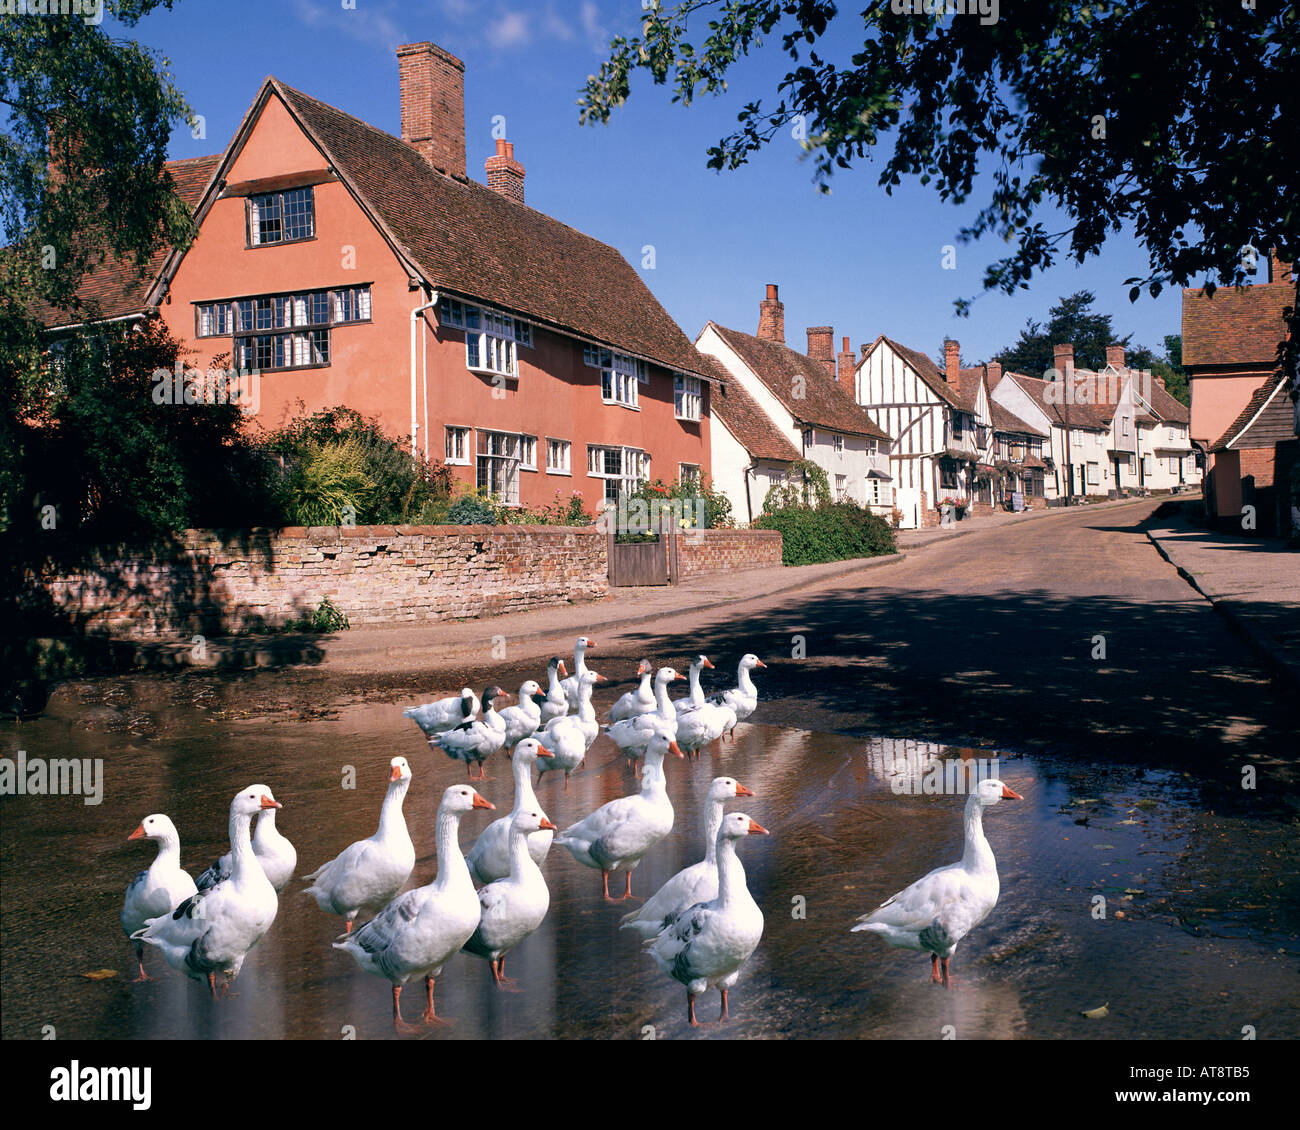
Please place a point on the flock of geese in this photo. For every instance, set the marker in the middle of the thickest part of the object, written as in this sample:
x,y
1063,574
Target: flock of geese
x,y
700,927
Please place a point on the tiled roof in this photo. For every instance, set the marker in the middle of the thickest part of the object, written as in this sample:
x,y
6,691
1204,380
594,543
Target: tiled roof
x,y
1085,416
968,387
929,372
1254,428
825,403
115,289
1005,421
474,242
744,419
1240,326
1166,407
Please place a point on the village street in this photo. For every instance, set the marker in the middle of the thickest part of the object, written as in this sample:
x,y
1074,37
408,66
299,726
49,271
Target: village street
x,y
982,639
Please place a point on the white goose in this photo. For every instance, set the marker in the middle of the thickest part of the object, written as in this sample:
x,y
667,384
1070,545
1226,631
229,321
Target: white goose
x,y
570,737
475,741
278,857
212,931
696,883
639,701
695,698
512,907
632,735
367,873
522,719
489,859
159,888
742,698
437,717
557,703
941,908
705,945
571,684
419,931
618,834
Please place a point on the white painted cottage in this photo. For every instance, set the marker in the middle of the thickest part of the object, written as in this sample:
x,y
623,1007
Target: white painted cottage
x,y
803,402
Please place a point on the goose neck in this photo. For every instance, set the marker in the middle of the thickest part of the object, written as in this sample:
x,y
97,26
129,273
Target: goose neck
x,y
390,812
977,856
520,860
452,870
241,843
712,822
731,872
662,700
746,683
522,768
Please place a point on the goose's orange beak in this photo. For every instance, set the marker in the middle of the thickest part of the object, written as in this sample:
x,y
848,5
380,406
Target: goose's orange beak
x,y
1007,794
138,834
548,825
267,802
563,670
760,663
480,802
600,678
742,791
542,751
758,829
396,774
675,748
708,665
591,643
677,676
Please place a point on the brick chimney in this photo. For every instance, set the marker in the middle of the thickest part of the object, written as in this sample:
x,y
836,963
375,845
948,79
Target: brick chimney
x,y
1159,380
1063,359
951,360
993,373
432,83
847,364
821,347
1115,356
771,316
504,174
1279,270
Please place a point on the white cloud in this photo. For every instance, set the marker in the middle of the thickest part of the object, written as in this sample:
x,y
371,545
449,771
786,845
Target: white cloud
x,y
513,29
592,27
367,22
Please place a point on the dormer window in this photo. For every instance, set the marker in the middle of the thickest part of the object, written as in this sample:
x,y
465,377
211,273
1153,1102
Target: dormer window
x,y
281,217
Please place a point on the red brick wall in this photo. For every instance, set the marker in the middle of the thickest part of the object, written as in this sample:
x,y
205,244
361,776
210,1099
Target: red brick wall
x,y
432,85
1258,462
373,574
726,551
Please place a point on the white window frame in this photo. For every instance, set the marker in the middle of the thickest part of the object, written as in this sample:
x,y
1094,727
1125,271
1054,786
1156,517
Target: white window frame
x,y
837,442
880,492
841,487
527,453
504,465
492,339
628,482
462,435
688,397
1093,474
692,468
559,455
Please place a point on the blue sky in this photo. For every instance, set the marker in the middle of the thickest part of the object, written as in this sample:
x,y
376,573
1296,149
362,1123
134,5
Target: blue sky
x,y
859,260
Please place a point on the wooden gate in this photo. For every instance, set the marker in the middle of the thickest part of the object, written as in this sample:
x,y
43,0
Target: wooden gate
x,y
638,563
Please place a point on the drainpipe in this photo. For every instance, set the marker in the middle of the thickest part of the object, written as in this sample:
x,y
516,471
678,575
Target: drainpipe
x,y
415,423
749,505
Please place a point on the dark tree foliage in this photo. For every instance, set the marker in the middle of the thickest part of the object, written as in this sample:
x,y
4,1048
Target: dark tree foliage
x,y
1179,122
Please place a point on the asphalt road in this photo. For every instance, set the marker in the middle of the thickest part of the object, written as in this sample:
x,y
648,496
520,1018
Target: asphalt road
x,y
1067,634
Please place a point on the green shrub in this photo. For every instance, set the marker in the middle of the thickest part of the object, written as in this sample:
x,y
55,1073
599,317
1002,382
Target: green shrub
x,y
472,508
327,618
330,485
842,530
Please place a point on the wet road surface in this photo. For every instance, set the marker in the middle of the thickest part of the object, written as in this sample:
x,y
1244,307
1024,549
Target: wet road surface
x,y
1200,937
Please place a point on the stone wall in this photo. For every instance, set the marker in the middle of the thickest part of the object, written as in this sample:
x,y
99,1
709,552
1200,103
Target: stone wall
x,y
726,551
373,574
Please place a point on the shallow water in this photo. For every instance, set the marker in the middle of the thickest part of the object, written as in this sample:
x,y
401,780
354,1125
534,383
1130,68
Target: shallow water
x,y
1199,938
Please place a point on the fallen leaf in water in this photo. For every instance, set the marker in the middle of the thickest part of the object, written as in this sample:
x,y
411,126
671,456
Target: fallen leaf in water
x,y
1128,821
1104,847
100,974
1120,914
1097,1013
1134,891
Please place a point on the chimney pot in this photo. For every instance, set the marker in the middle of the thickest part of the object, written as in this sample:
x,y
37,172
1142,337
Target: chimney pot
x,y
993,372
432,87
951,360
1279,270
504,174
1115,356
771,316
846,364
